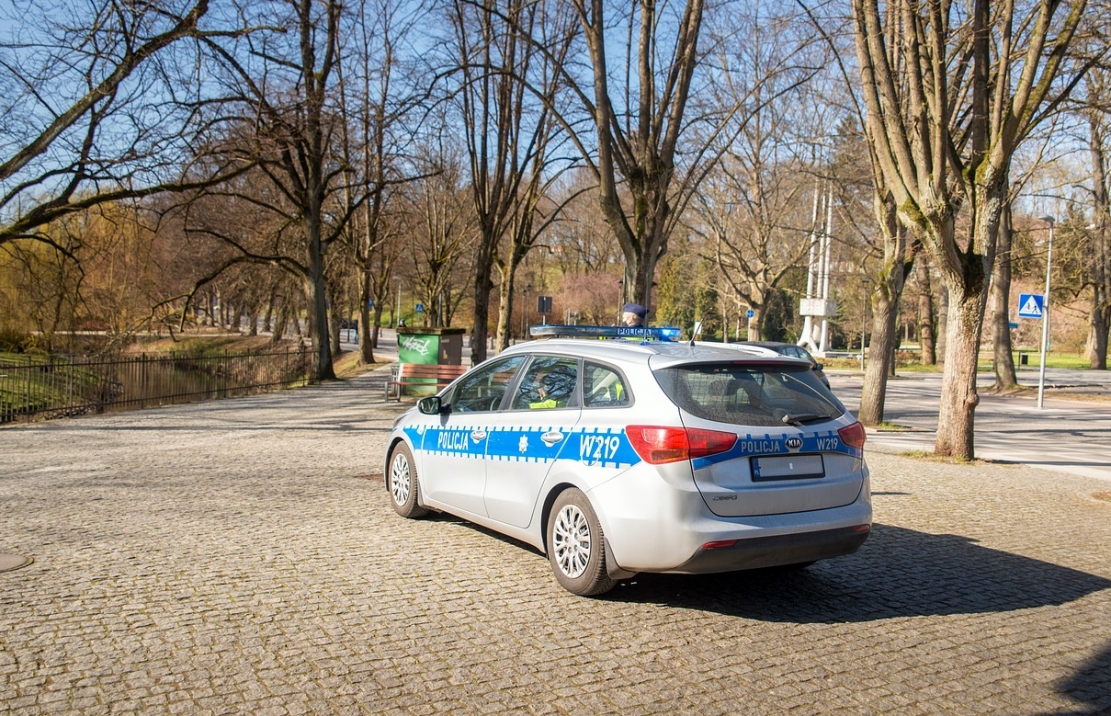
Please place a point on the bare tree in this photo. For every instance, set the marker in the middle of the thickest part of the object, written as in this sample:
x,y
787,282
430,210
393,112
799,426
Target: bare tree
x,y
110,104
638,127
288,83
380,92
510,58
1099,144
439,236
944,134
751,203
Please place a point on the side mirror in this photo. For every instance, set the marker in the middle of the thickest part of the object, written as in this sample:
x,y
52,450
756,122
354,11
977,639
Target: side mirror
x,y
430,405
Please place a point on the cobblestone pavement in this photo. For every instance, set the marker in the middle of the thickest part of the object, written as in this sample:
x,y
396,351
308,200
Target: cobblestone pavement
x,y
241,557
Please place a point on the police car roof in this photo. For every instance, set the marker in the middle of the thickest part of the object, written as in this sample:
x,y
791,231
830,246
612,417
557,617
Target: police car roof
x,y
660,354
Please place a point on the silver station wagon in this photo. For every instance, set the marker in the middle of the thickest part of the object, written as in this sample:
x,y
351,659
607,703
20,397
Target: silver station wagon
x,y
616,457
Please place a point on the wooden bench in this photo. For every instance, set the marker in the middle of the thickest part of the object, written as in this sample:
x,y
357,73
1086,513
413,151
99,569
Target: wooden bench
x,y
421,374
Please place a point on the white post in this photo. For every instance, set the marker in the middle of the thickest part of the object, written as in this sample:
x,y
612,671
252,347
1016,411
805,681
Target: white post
x,y
811,274
1045,311
827,238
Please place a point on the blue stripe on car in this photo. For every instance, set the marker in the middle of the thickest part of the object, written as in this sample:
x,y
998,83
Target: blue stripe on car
x,y
595,448
769,444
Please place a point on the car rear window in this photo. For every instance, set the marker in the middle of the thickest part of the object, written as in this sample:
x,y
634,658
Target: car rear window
x,y
749,394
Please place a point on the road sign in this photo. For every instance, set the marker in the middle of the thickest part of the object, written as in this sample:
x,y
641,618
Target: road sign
x,y
1031,305
420,308
750,313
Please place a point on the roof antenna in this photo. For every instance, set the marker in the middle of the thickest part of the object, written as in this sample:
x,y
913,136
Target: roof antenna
x,y
696,332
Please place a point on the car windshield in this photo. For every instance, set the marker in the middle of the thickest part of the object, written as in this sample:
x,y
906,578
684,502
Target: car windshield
x,y
746,394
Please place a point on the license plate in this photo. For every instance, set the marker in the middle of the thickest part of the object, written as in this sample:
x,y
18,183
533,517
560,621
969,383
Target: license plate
x,y
787,467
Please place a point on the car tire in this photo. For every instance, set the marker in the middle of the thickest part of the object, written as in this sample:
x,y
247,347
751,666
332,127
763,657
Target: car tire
x,y
576,546
402,483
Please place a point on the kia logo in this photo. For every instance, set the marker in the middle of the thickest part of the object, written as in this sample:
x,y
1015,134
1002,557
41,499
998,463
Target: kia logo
x,y
794,443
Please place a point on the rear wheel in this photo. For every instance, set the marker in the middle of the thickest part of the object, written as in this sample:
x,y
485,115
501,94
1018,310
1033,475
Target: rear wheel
x,y
576,546
402,483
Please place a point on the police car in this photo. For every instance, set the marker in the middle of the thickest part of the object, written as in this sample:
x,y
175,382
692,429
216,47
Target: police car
x,y
616,457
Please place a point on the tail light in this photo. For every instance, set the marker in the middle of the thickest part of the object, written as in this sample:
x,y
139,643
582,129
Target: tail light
x,y
853,435
658,445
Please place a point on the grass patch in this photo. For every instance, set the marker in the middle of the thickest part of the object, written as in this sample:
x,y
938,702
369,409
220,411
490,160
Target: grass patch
x,y
948,460
349,364
892,427
210,346
840,363
917,368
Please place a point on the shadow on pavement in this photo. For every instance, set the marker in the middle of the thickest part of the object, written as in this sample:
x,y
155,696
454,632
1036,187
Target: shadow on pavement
x,y
1091,685
897,573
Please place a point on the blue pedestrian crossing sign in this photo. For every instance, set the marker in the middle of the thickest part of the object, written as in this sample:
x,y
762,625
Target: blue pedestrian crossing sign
x,y
1031,305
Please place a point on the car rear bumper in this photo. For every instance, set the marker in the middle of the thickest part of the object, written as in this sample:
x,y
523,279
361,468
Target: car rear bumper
x,y
775,551
668,526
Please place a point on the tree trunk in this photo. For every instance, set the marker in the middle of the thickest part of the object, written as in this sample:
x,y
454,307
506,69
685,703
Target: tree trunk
x,y
376,327
1100,318
1000,303
281,320
368,332
956,417
318,306
505,310
926,316
268,316
1099,326
334,320
505,313
480,332
940,353
885,311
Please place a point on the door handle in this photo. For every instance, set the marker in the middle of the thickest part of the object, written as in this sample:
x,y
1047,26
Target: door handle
x,y
478,435
551,438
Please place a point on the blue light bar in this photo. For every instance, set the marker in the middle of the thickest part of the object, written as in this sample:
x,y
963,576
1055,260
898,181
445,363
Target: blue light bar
x,y
552,330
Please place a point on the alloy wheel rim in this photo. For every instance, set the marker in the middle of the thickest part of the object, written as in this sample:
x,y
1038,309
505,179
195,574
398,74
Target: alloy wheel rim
x,y
399,480
571,541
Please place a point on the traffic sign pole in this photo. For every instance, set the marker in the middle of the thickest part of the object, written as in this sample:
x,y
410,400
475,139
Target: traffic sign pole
x,y
1045,312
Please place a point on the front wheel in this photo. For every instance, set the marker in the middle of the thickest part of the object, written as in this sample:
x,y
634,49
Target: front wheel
x,y
576,546
403,485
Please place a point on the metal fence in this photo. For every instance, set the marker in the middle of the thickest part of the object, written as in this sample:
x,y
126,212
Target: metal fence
x,y
42,387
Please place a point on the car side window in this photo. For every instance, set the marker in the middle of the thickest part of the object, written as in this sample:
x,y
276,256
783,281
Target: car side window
x,y
484,389
547,383
603,387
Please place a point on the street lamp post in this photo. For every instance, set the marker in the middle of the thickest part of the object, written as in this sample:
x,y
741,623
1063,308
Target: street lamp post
x,y
1045,311
397,306
524,310
863,318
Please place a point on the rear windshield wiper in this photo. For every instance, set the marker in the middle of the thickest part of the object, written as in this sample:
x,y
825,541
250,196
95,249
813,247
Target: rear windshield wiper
x,y
802,418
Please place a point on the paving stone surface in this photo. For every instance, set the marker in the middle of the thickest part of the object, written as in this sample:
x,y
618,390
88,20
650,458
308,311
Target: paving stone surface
x,y
241,557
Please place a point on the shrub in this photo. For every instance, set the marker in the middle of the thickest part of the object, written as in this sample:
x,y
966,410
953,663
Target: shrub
x,y
13,341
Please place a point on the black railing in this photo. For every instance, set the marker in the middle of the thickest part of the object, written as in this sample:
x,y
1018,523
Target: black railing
x,y
37,387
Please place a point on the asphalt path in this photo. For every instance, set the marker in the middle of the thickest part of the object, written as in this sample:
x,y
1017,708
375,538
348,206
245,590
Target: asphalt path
x,y
1070,433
